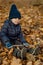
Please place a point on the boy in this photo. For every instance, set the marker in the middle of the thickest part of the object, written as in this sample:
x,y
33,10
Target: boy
x,y
11,30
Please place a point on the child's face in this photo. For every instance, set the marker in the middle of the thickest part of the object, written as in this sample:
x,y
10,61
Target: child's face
x,y
15,21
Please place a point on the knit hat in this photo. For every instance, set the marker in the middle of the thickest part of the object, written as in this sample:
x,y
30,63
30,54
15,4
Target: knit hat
x,y
14,13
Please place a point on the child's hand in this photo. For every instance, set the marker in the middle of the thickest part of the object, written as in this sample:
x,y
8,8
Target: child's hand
x,y
8,45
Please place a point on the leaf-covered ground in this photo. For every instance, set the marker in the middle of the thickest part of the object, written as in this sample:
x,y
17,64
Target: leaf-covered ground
x,y
32,27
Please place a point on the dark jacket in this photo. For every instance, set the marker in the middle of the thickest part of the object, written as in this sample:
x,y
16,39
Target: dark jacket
x,y
10,31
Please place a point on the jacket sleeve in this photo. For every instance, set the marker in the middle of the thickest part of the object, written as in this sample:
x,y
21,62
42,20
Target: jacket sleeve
x,y
4,31
21,37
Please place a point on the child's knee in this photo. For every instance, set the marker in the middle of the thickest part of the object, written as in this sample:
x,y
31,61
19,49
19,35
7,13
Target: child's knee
x,y
20,53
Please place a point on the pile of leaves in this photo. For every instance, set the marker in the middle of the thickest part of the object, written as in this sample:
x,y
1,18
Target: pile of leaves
x,y
7,58
32,28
